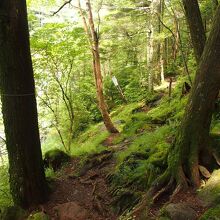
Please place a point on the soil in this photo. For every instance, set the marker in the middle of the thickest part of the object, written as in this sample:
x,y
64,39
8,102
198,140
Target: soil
x,y
89,195
188,197
90,192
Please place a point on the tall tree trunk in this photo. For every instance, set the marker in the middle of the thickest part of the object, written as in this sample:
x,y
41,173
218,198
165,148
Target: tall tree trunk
x,y
27,179
193,135
196,27
150,51
97,72
177,38
162,43
194,132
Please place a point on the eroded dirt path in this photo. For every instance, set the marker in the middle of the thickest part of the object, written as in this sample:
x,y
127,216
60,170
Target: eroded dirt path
x,y
82,198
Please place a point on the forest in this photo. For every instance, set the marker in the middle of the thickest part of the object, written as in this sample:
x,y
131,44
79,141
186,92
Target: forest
x,y
110,110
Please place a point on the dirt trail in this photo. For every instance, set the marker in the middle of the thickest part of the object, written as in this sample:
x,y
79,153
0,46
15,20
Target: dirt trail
x,y
81,198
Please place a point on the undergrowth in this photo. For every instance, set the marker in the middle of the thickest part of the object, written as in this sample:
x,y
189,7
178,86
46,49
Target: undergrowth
x,y
148,134
5,195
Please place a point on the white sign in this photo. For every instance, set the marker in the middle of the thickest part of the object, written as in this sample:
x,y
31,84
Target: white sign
x,y
115,81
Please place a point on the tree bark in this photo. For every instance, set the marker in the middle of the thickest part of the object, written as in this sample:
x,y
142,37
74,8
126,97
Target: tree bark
x,y
150,51
161,44
27,178
196,27
97,72
214,6
193,135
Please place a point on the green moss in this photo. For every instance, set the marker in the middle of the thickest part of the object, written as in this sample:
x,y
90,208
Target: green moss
x,y
53,153
38,216
210,192
55,159
89,143
211,214
143,160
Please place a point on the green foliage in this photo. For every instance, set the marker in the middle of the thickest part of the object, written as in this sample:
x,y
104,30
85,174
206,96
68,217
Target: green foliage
x,y
50,173
38,216
5,196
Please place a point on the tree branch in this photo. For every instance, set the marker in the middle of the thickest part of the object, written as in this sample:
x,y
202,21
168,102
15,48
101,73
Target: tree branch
x,y
61,7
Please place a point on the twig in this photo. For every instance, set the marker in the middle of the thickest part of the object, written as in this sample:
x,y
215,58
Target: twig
x,y
94,188
61,7
99,18
66,3
2,139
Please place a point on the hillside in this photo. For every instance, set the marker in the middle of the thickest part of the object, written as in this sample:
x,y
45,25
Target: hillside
x,y
109,175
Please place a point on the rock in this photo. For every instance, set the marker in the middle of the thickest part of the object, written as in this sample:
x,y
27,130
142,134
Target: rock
x,y
12,213
180,211
55,159
71,211
38,216
210,193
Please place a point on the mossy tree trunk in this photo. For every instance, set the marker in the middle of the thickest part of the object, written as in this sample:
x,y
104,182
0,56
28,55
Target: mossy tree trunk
x,y
214,6
192,139
27,178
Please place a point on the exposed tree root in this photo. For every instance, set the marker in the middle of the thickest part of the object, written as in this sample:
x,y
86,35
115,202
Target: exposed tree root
x,y
165,187
165,190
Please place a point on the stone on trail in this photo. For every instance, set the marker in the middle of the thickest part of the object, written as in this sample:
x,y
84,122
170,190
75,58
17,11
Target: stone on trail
x,y
71,211
180,211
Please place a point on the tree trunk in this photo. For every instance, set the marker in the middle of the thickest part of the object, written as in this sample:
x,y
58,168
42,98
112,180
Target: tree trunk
x,y
193,135
161,46
150,50
214,6
27,179
98,75
196,27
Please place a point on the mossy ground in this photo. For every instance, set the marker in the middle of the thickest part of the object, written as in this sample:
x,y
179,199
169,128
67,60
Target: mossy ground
x,y
147,130
212,214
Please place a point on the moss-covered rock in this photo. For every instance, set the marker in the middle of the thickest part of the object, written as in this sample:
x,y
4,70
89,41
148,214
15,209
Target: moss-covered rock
x,y
55,159
180,211
38,216
210,193
12,213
